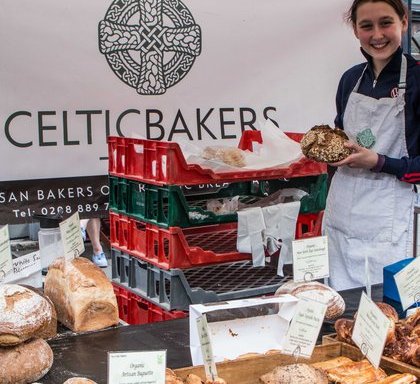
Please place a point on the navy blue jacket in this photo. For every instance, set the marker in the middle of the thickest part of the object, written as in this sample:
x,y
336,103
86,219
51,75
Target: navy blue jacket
x,y
407,168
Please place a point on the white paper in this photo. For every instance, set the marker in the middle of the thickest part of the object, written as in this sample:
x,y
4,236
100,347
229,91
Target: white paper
x,y
26,270
370,330
277,150
71,236
250,234
206,348
137,367
232,338
304,328
408,283
310,259
5,253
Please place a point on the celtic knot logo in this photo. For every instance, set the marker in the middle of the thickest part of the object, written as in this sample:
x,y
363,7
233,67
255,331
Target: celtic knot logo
x,y
135,46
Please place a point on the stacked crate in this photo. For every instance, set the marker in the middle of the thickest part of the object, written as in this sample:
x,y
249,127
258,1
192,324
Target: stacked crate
x,y
169,250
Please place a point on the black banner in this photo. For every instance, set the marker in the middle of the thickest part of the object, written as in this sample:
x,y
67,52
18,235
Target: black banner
x,y
21,199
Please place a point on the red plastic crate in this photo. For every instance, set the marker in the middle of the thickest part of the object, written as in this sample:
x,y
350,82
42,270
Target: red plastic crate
x,y
183,248
142,311
162,163
122,296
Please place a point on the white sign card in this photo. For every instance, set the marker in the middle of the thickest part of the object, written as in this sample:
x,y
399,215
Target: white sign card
x,y
310,259
5,252
26,270
146,367
304,328
370,330
408,283
206,349
71,236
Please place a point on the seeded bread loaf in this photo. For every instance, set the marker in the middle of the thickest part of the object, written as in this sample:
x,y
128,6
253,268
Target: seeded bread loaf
x,y
324,144
25,363
294,373
79,380
24,314
82,294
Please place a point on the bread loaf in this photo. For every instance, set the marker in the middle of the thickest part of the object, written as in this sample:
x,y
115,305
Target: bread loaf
x,y
324,144
400,378
319,292
25,363
79,380
344,329
294,373
82,294
228,155
24,314
50,329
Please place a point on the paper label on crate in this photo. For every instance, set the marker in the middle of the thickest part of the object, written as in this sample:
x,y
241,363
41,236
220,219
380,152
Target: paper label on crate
x,y
310,259
146,367
370,330
304,328
408,283
71,236
206,350
6,265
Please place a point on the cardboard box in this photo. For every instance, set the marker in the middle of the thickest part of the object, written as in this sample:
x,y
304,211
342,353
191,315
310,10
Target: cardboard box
x,y
242,326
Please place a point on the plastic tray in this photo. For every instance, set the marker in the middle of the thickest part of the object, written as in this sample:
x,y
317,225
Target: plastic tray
x,y
162,163
176,206
176,247
176,289
141,311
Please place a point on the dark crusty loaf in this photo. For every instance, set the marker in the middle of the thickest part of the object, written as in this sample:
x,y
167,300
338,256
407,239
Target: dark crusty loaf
x,y
324,144
82,294
25,363
24,314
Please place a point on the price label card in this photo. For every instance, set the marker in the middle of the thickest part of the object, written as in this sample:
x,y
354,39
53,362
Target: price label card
x,y
71,236
6,264
370,330
310,259
408,283
304,328
206,350
137,367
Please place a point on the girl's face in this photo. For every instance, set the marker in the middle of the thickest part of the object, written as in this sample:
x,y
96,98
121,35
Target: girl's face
x,y
380,30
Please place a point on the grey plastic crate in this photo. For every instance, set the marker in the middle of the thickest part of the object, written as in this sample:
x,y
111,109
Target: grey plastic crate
x,y
120,267
177,289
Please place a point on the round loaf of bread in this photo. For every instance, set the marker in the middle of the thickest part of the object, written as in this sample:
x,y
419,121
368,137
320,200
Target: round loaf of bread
x,y
324,144
25,363
294,373
79,380
314,290
23,314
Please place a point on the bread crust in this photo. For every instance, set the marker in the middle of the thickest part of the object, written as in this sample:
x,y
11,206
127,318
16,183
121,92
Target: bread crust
x,y
79,380
324,144
24,314
82,294
25,363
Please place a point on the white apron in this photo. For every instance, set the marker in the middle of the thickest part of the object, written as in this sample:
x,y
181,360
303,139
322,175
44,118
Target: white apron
x,y
368,218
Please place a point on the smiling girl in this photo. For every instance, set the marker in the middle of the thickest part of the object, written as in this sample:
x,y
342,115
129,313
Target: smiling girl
x,y
369,211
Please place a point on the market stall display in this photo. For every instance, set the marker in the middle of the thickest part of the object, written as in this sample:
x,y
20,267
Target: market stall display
x,y
174,243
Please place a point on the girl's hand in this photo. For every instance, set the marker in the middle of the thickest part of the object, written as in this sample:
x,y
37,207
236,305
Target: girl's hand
x,y
360,158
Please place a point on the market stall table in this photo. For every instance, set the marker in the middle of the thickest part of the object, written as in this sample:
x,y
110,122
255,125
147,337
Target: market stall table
x,y
86,354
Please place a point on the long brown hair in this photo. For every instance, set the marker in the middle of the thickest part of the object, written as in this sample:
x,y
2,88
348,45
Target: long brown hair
x,y
398,6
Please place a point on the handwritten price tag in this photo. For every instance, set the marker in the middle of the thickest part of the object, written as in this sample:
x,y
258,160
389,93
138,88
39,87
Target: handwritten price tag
x,y
5,253
208,359
408,283
370,330
71,236
137,367
310,259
